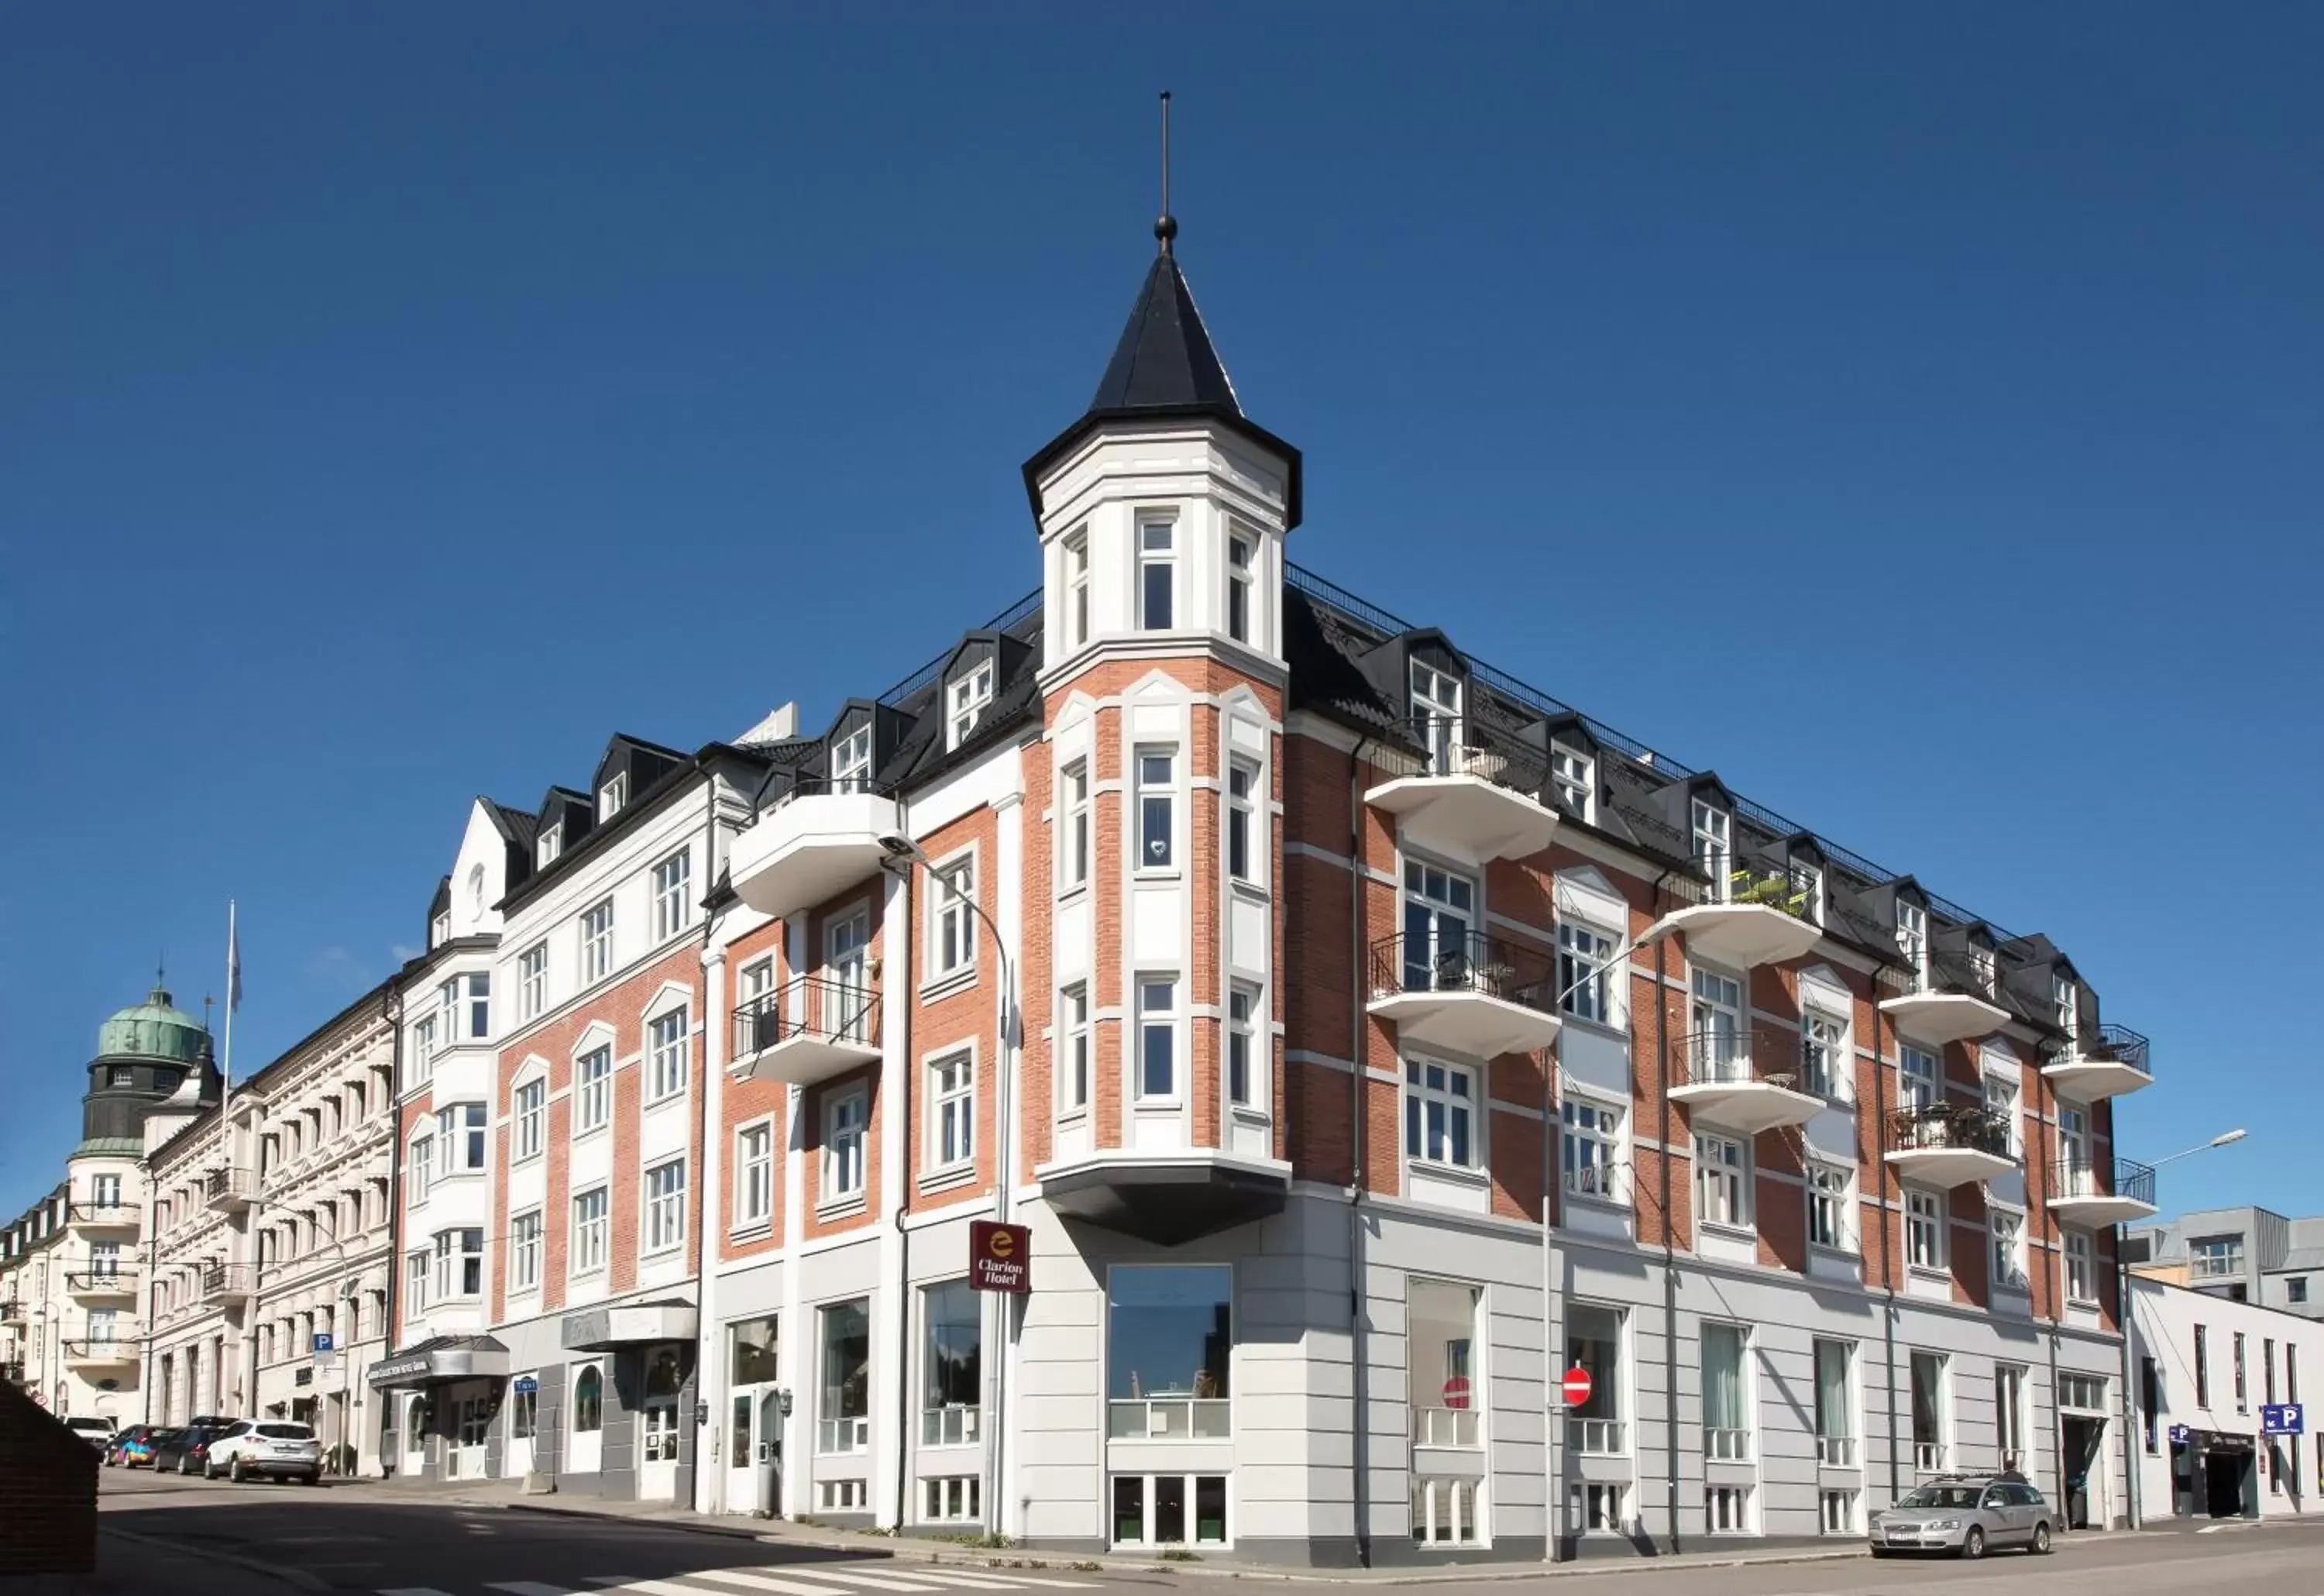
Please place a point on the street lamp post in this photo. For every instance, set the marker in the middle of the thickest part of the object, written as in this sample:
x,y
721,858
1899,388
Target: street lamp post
x,y
2132,1445
903,853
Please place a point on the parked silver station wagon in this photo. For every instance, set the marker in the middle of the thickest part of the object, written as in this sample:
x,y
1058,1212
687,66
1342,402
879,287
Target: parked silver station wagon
x,y
1965,1515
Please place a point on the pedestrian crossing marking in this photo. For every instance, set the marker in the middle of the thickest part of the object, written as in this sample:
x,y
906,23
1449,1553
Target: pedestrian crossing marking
x,y
758,1580
974,1582
416,1591
531,1588
622,1584
875,1582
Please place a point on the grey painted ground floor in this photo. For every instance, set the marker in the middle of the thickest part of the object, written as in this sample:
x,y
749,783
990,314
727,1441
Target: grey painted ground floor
x,y
1267,1392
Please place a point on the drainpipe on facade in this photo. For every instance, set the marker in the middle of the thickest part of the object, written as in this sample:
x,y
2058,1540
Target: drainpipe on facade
x,y
1888,1218
1669,1262
706,1312
1553,1176
153,1298
900,882
1360,1426
390,1008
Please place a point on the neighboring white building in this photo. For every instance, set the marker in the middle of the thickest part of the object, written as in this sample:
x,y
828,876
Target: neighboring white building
x,y
2206,1368
31,1271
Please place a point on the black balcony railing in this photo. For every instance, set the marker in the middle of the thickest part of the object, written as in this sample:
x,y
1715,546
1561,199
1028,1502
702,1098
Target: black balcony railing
x,y
808,1006
229,1279
1466,745
12,1371
1765,1052
782,786
221,1184
11,1310
2092,1178
101,1281
1949,1125
1464,963
1767,886
2108,1044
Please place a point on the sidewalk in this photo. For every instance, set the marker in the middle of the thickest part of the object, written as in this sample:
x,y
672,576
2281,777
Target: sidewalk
x,y
507,1496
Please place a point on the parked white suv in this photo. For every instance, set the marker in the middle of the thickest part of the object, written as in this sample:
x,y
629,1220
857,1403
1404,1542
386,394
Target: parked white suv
x,y
277,1448
94,1428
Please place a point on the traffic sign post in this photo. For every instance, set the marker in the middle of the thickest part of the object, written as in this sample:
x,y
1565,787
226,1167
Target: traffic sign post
x,y
1576,1386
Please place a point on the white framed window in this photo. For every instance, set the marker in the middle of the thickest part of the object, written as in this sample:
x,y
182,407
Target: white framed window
x,y
1835,1404
1437,716
1158,803
1242,1047
423,1049
1807,886
2008,1228
1157,575
1593,1148
1157,1038
1981,968
480,1005
1837,1509
1823,1055
666,1206
952,929
843,1118
593,1090
1912,936
1727,1508
1585,985
1073,853
2001,1095
1599,1509
966,698
524,1251
548,846
673,894
669,1038
1241,551
1445,1512
953,1500
589,1209
459,1264
1723,1174
1074,1051
1075,551
1720,1046
531,1116
612,795
952,1113
850,761
1726,1406
2062,1005
423,1169
1440,1104
532,980
460,1131
1573,782
439,930
1916,1077
2082,1271
415,1284
1243,829
758,981
1831,1207
1931,1414
754,1175
1714,852
447,1009
2009,1412
596,941
1924,1229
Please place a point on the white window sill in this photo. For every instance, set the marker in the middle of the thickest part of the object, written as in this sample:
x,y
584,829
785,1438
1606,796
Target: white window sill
x,y
1075,1116
667,1098
2090,1303
1250,1113
1737,1232
582,1136
1251,891
1848,1254
948,1177
752,1230
1156,1106
1072,893
846,1207
1160,872
947,985
1468,1173
1598,1201
1612,1030
1928,1272
669,1251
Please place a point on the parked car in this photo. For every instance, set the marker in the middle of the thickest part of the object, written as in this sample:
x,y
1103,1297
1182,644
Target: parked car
x,y
1964,1515
185,1450
93,1428
118,1444
281,1449
141,1447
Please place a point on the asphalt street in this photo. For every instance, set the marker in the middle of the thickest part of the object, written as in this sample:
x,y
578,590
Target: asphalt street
x,y
378,1542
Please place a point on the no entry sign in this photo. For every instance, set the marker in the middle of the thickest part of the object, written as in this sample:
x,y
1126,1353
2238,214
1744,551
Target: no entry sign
x,y
1576,1386
1000,1256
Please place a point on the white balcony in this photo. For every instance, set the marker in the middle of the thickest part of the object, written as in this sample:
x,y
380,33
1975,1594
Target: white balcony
x,y
120,1351
94,1285
1746,1081
2082,1193
1474,995
229,1284
1948,1147
229,1191
1753,916
1953,1002
1473,797
806,1031
811,845
2108,1063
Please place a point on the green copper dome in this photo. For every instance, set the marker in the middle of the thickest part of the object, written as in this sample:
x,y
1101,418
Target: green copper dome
x,y
153,1029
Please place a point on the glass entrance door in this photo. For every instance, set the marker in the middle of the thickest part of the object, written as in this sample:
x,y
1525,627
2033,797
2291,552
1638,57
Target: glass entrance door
x,y
658,1426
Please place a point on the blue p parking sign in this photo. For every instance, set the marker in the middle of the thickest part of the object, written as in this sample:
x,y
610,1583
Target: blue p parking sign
x,y
2283,1419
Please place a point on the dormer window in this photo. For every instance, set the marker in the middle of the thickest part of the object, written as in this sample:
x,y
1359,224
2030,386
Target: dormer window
x,y
850,761
1807,889
612,795
1077,590
1242,549
1912,936
1573,782
1157,575
2061,997
1980,963
1436,715
551,843
966,700
1714,851
439,929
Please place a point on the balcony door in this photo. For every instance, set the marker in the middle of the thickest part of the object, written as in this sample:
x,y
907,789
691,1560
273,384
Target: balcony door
x,y
1437,716
846,962
1439,909
1716,1022
2074,1152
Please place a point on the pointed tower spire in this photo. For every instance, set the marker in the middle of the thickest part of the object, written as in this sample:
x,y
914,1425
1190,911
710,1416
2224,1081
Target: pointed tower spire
x,y
1166,226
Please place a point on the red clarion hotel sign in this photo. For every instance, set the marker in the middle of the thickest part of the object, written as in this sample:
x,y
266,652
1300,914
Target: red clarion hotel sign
x,y
1000,1256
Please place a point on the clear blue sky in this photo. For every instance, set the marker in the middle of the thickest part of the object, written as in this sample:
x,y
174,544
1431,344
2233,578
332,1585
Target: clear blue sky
x,y
1914,415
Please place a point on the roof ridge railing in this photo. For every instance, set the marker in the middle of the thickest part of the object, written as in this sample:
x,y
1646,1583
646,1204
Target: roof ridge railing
x,y
1006,620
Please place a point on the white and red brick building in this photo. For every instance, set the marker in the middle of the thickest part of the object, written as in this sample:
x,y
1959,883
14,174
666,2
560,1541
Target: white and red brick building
x,y
1366,1037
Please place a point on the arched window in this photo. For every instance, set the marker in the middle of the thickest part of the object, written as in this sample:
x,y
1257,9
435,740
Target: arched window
x,y
588,1401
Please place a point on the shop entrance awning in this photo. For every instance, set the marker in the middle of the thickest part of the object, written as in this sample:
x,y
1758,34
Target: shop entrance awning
x,y
439,1360
630,1325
